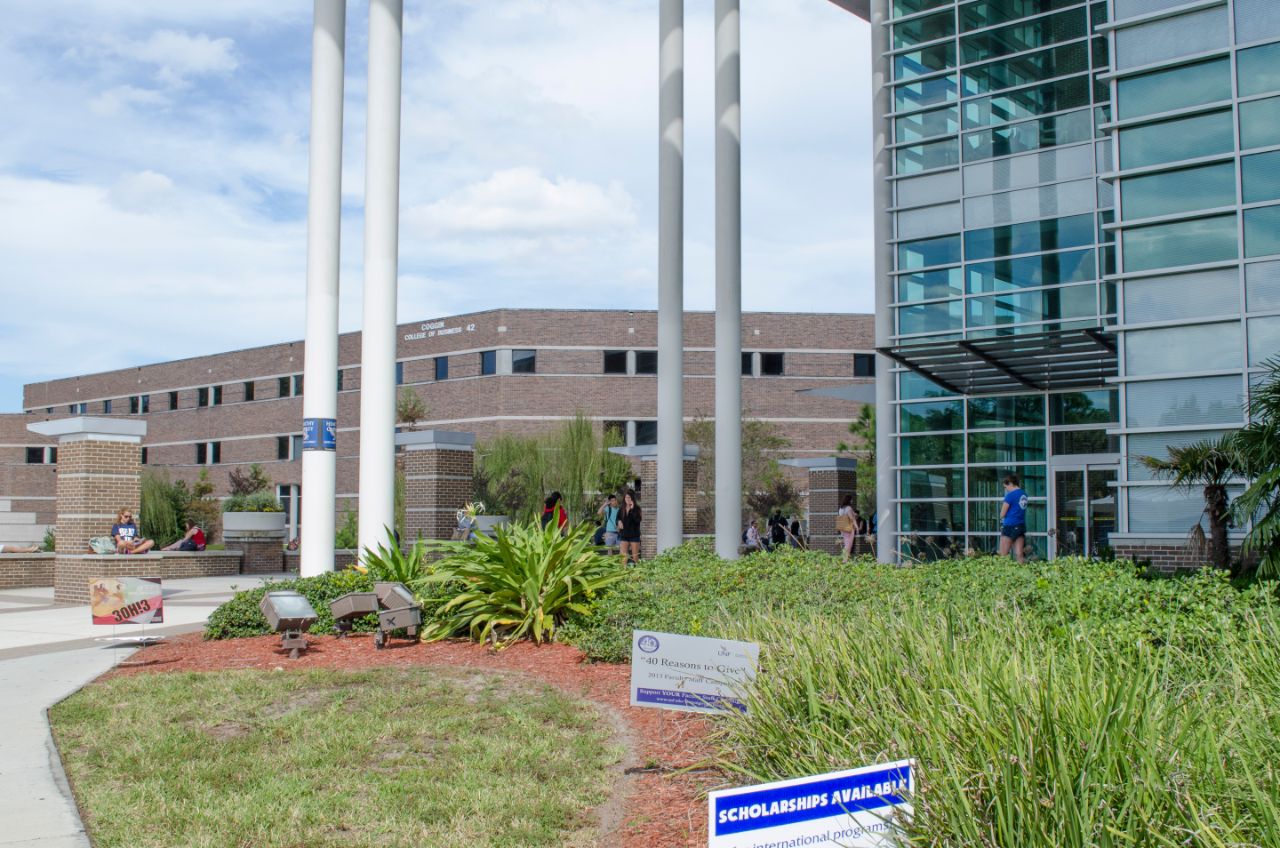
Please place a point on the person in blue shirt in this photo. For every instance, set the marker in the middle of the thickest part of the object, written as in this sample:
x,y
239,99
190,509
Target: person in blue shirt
x,y
1013,519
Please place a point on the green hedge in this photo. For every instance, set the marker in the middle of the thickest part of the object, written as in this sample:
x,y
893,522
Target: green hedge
x,y
241,617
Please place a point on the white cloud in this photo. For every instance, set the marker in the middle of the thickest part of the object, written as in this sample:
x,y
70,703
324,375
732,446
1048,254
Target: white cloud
x,y
521,201
146,191
119,98
180,54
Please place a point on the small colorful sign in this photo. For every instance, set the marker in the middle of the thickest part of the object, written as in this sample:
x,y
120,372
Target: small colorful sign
x,y
126,600
858,808
690,673
319,434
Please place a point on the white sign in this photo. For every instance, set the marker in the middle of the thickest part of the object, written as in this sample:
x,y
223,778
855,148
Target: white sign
x,y
859,808
432,329
690,673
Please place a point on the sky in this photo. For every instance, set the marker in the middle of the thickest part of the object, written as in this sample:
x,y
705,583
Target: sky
x,y
153,168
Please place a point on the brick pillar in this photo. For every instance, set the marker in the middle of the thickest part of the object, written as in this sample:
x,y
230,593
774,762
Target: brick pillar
x,y
439,474
649,489
261,552
830,480
99,460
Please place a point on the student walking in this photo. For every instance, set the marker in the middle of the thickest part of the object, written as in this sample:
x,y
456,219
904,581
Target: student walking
x,y
629,519
847,524
1013,519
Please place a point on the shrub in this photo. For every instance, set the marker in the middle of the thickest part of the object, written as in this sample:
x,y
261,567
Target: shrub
x,y
347,536
240,483
241,617
519,583
252,502
163,506
50,543
390,563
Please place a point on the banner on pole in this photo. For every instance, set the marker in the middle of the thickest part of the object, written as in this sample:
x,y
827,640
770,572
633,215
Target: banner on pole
x,y
126,600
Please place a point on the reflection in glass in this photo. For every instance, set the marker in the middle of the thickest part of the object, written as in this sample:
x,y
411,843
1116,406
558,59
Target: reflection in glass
x,y
1016,411
1026,69
1201,347
1176,88
922,254
927,285
1262,231
1260,177
1100,406
1199,400
1021,37
1047,305
1172,141
930,317
923,29
1029,237
1259,69
1045,269
1264,339
932,450
923,125
1180,243
926,92
1029,135
1056,96
1011,446
1260,123
987,482
926,60
929,417
1185,190
925,157
934,483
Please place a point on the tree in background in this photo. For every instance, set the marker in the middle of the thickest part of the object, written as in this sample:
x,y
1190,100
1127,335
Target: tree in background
x,y
762,475
410,408
247,484
863,430
1209,465
1258,449
203,508
162,508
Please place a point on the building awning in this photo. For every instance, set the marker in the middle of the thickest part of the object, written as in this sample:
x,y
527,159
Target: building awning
x,y
1067,359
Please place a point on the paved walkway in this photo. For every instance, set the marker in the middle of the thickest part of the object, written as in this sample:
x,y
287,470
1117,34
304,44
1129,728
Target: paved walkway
x,y
47,652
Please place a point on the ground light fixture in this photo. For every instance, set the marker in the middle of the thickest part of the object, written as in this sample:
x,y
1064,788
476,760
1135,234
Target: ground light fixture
x,y
291,615
349,607
400,611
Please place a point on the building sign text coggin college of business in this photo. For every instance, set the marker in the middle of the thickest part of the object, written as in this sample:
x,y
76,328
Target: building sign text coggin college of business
x,y
431,329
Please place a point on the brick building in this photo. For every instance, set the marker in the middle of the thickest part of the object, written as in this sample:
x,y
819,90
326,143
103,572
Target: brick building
x,y
504,370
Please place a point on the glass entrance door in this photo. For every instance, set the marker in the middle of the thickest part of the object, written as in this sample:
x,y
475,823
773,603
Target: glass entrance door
x,y
1084,509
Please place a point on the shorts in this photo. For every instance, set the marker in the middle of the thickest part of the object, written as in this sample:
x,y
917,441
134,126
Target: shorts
x,y
187,545
610,539
1013,531
634,541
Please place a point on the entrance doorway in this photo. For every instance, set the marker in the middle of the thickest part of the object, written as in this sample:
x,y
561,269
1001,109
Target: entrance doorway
x,y
1084,509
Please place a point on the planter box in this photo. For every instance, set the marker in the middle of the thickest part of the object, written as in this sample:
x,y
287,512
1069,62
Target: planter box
x,y
486,523
237,523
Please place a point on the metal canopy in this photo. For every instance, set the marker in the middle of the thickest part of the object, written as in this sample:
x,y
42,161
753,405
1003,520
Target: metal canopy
x,y
1071,359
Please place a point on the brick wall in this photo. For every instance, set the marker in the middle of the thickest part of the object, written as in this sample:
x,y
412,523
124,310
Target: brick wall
x,y
259,556
1167,557
20,571
96,479
342,558
689,505
73,573
438,481
828,488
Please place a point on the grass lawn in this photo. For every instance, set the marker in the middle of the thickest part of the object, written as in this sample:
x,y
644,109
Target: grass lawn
x,y
383,757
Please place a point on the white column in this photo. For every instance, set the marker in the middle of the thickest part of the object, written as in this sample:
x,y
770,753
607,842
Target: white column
x,y
728,281
381,246
670,471
324,222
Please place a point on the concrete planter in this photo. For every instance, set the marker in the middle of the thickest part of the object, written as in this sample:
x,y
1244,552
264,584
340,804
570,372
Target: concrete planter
x,y
236,523
486,523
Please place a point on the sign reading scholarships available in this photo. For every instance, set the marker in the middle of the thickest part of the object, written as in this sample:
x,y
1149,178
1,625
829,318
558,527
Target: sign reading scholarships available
x,y
690,673
859,808
126,600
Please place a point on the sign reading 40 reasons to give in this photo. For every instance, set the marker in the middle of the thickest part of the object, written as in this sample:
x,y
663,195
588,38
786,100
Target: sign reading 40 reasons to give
x,y
690,673
859,808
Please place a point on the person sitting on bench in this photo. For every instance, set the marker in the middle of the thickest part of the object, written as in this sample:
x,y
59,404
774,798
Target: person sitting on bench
x,y
19,549
127,538
192,541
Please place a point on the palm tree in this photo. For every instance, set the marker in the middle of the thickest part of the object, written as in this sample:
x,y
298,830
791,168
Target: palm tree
x,y
1258,445
1210,464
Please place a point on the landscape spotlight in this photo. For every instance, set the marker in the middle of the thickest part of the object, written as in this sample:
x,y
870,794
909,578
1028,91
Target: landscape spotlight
x,y
291,615
401,611
351,606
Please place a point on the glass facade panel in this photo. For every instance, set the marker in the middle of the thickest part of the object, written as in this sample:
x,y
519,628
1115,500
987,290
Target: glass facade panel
x,y
911,386
984,516
1048,305
1018,411
985,13
1180,243
1174,403
927,285
1170,38
1203,294
1159,509
1260,123
1201,347
1157,445
930,417
1076,442
1176,88
932,450
1070,128
1170,192
925,157
1031,237
1262,284
931,317
926,60
923,254
1047,269
923,93
1026,69
932,517
926,28
1020,37
1133,8
986,482
922,125
1262,231
1007,446
927,189
1100,406
907,7
1260,177
1256,20
929,221
1017,105
1172,141
1259,70
1264,339
935,483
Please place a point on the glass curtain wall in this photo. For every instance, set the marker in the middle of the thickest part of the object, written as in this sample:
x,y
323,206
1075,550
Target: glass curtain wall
x,y
1002,227
1197,95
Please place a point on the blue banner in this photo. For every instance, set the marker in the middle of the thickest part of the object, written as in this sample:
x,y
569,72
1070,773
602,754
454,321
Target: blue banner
x,y
319,434
810,800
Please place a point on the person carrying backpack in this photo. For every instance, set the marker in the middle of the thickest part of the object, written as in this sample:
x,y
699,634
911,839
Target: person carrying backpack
x,y
553,510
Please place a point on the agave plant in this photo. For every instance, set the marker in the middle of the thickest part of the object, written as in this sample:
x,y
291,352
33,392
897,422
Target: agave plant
x,y
393,565
518,583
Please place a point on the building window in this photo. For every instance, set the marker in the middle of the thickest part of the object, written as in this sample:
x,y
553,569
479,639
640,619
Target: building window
x,y
748,369
339,379
615,362
646,362
442,367
297,385
282,447
208,453
139,404
399,373
524,361
217,395
295,447
771,364
35,456
173,400
646,432
248,390
202,396
144,456
864,365
488,362
106,407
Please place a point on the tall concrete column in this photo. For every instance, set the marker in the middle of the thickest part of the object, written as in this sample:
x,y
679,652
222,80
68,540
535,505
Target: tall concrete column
x,y
324,224
670,489
886,413
381,251
728,280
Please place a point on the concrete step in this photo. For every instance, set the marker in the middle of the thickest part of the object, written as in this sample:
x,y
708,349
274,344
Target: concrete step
x,y
17,518
23,534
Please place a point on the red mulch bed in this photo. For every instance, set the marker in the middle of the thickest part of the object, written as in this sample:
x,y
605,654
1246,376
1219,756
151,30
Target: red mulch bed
x,y
662,809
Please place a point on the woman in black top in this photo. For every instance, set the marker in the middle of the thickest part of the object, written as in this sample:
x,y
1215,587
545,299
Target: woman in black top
x,y
629,518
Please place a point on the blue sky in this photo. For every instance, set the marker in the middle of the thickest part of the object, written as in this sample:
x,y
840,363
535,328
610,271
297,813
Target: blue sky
x,y
153,168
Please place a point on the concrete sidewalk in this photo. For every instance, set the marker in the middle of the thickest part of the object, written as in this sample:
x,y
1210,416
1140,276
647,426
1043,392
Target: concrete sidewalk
x,y
47,652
